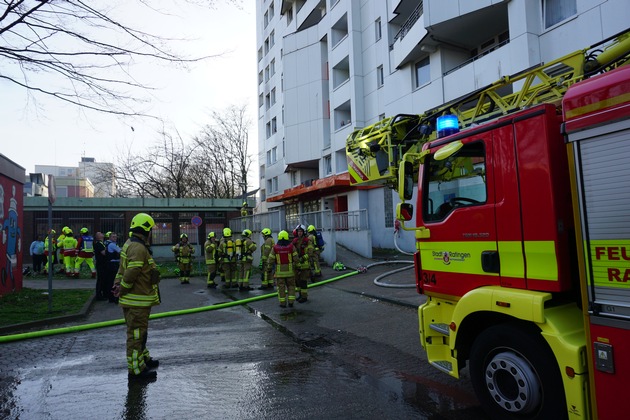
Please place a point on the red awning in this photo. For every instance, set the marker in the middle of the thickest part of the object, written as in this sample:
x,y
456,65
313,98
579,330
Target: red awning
x,y
317,189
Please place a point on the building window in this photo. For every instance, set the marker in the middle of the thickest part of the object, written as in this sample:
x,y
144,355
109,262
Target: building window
x,y
274,154
261,101
272,39
388,203
422,72
327,165
272,67
380,77
266,46
555,11
289,16
274,184
267,74
267,101
271,11
274,126
266,19
294,178
260,77
268,129
377,29
273,96
268,157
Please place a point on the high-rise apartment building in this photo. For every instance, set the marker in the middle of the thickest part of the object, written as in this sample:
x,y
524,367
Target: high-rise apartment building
x,y
326,67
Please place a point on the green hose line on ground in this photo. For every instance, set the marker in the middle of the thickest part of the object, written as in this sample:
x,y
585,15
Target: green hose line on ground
x,y
77,328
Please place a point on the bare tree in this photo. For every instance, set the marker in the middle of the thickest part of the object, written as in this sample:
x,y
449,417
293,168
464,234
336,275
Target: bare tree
x,y
163,171
223,152
85,53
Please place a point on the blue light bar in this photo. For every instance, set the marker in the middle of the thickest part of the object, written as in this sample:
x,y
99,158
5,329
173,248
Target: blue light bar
x,y
447,125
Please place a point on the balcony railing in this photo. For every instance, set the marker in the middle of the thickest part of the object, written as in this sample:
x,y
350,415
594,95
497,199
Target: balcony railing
x,y
406,27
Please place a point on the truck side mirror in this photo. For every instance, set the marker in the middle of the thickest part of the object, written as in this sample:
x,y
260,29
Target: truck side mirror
x,y
404,212
405,180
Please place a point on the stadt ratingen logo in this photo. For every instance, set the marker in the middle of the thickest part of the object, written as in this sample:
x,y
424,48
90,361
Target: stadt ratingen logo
x,y
447,257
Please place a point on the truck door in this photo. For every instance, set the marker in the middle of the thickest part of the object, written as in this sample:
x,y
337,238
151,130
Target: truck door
x,y
457,207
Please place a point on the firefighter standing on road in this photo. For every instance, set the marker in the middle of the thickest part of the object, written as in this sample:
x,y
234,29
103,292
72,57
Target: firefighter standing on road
x,y
184,254
227,256
85,252
304,249
210,249
265,273
69,252
284,255
50,261
315,267
136,287
247,257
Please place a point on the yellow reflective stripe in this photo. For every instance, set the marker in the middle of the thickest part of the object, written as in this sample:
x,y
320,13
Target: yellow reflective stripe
x,y
542,262
511,256
465,258
135,264
133,299
125,284
136,334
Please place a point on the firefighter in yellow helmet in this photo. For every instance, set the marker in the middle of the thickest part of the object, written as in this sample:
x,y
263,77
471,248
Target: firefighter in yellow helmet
x,y
69,251
227,256
210,249
304,249
59,256
266,277
184,255
285,256
316,269
248,247
244,210
85,252
136,286
48,241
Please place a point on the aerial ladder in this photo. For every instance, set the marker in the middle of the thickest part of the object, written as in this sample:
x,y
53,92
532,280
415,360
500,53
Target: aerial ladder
x,y
375,152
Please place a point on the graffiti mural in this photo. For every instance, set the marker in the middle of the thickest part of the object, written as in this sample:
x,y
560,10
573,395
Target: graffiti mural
x,y
11,246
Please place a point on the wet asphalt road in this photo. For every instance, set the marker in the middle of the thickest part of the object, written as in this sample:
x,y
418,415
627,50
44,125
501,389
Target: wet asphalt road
x,y
346,353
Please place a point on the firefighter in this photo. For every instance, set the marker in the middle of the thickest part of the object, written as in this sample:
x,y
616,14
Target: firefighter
x,y
284,255
246,261
50,237
85,252
183,255
210,249
265,271
69,252
227,256
304,249
59,254
317,250
244,211
136,287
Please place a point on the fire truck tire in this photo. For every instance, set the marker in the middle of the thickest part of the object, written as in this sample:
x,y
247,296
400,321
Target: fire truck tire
x,y
515,375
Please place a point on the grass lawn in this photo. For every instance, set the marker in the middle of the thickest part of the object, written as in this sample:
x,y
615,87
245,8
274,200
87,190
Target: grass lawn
x,y
32,305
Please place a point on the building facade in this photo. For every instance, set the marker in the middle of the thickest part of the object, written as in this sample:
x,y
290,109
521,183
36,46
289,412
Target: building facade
x,y
327,67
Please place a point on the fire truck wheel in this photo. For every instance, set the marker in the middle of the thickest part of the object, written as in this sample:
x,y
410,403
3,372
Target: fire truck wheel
x,y
515,376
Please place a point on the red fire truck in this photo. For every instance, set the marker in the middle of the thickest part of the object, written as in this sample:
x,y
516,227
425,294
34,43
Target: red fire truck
x,y
522,227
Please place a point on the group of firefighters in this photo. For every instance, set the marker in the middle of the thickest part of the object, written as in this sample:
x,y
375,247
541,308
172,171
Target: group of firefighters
x,y
70,251
292,263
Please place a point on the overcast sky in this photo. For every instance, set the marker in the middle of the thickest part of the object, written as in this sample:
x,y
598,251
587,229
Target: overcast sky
x,y
53,133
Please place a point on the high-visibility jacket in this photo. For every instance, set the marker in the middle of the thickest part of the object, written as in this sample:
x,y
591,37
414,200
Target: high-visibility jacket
x,y
210,248
183,252
69,246
304,249
85,245
138,285
249,247
285,256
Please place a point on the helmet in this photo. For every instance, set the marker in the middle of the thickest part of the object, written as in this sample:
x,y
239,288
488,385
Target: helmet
x,y
227,232
244,203
300,227
283,234
68,231
52,231
142,220
65,229
108,234
211,235
266,232
311,229
84,230
183,235
247,233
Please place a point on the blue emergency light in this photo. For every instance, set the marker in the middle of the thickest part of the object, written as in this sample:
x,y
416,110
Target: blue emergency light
x,y
447,125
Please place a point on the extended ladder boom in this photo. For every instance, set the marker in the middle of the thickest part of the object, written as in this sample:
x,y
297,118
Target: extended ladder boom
x,y
374,152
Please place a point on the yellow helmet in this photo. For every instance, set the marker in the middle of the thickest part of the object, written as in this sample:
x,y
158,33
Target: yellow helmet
x,y
247,233
52,231
108,234
65,229
310,229
211,235
283,234
142,220
227,232
183,235
84,230
266,232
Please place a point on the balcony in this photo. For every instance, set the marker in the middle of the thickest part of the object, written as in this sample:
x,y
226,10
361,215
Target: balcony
x,y
406,46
